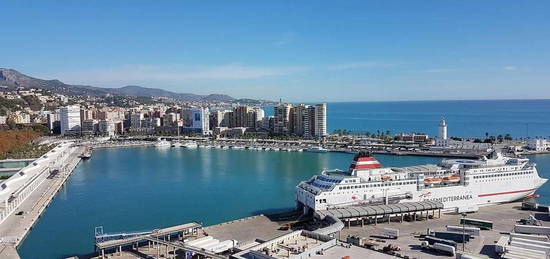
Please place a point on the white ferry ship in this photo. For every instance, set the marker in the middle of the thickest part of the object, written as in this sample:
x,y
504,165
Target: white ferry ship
x,y
457,183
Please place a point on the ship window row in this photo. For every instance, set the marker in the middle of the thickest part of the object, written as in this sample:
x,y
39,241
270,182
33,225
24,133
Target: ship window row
x,y
375,185
322,186
330,180
499,175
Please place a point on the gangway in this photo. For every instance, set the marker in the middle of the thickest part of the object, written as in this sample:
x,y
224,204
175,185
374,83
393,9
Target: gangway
x,y
185,247
118,240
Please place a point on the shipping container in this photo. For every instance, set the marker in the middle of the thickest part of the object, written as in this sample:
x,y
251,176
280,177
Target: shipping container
x,y
526,229
468,230
482,224
457,237
432,240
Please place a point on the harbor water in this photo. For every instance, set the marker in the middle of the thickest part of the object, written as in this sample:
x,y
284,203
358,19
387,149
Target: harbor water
x,y
519,118
142,188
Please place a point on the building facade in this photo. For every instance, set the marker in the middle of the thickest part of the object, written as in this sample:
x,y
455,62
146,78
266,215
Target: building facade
x,y
69,117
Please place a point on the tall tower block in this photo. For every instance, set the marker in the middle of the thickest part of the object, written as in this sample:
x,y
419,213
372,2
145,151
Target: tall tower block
x,y
442,129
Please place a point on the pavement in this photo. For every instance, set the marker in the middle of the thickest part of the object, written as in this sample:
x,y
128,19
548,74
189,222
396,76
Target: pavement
x,y
504,217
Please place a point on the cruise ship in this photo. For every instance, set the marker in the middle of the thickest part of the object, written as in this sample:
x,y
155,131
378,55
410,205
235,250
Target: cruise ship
x,y
457,183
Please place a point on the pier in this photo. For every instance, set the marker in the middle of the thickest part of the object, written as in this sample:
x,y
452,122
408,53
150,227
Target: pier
x,y
26,196
259,231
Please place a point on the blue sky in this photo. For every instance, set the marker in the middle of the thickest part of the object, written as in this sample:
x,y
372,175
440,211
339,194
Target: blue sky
x,y
295,50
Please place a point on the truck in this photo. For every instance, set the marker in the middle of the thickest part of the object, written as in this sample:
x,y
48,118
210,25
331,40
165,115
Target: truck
x,y
468,230
482,224
391,232
440,248
432,240
457,237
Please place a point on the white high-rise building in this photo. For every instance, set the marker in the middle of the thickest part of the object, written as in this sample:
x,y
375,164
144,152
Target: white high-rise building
x,y
196,120
321,120
69,117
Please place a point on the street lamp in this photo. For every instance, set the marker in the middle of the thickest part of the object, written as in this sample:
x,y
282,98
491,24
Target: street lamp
x,y
463,230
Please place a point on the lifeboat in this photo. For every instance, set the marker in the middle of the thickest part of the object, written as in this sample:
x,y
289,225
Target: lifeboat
x,y
433,180
451,179
386,178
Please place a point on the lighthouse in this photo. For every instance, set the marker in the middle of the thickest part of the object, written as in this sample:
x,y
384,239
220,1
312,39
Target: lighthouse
x,y
442,130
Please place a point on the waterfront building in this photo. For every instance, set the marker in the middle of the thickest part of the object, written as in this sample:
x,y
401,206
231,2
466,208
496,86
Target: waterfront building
x,y
3,119
107,127
281,118
53,120
254,117
298,117
86,114
196,120
69,117
413,137
320,120
309,122
229,132
538,144
170,119
155,122
268,123
135,119
242,114
217,119
89,127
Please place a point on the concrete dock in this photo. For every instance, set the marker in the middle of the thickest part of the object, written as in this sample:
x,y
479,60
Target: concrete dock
x,y
15,228
254,230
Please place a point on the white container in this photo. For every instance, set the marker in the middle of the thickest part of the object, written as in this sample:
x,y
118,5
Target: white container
x,y
468,230
531,237
500,246
527,229
391,232
447,249
530,246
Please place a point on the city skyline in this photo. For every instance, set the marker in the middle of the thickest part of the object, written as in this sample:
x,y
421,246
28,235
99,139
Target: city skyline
x,y
300,52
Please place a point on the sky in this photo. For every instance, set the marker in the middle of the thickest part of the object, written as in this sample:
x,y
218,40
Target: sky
x,y
300,51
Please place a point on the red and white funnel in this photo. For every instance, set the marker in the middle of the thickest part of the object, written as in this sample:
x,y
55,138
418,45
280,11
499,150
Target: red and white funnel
x,y
364,161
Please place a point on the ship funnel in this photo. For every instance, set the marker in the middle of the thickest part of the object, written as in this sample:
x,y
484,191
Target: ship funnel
x,y
364,161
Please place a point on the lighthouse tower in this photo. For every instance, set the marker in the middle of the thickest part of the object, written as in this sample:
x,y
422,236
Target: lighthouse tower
x,y
442,130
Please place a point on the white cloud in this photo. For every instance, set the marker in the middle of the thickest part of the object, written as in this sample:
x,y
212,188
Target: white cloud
x,y
131,74
509,68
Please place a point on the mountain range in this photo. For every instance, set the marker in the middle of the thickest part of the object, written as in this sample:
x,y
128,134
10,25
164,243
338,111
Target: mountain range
x,y
12,79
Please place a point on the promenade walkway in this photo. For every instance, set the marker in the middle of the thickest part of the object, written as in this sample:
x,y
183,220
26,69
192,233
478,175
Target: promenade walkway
x,y
15,228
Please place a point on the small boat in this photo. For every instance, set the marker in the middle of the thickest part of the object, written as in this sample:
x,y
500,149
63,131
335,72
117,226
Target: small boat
x,y
87,154
451,179
162,143
433,180
189,145
237,147
176,144
317,149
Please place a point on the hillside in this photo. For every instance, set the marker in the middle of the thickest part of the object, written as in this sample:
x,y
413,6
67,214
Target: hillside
x,y
11,79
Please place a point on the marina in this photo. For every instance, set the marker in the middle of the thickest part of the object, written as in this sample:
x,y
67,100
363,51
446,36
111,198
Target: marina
x,y
279,198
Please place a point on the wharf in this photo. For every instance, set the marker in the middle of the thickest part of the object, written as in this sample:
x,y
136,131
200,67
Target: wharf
x,y
15,228
504,217
255,230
